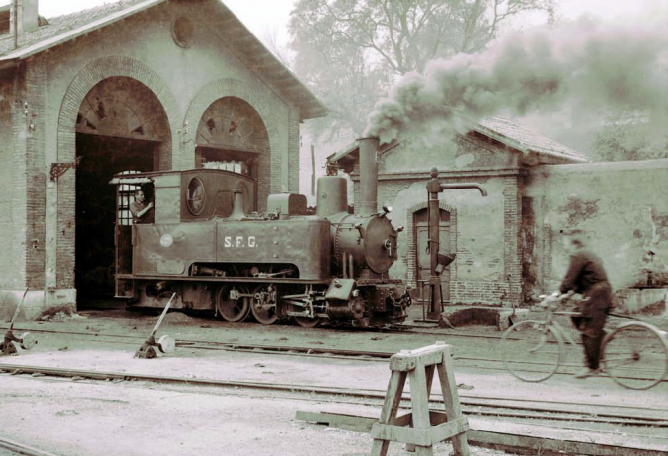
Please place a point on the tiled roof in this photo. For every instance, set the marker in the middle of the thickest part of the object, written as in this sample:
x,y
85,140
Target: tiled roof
x,y
353,146
61,24
514,135
503,130
64,28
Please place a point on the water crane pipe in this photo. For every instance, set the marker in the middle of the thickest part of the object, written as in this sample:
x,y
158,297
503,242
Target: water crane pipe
x,y
434,187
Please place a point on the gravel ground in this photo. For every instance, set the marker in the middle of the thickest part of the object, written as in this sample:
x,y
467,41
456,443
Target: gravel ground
x,y
89,418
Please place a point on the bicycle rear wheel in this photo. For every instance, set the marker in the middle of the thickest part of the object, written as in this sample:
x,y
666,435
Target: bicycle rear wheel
x,y
531,350
635,355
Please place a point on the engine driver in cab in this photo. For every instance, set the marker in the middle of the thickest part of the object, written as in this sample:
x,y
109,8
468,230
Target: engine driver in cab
x,y
141,212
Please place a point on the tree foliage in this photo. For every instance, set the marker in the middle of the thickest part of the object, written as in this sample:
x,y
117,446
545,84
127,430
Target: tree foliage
x,y
350,51
629,142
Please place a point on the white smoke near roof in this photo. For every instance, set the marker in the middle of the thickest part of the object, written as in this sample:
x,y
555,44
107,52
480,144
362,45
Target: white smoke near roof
x,y
582,63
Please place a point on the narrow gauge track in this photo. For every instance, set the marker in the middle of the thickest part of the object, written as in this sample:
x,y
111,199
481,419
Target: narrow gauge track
x,y
288,350
393,329
21,448
331,353
234,346
472,405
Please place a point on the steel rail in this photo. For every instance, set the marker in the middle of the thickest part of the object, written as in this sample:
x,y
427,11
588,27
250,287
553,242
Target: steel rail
x,y
552,415
657,421
292,351
501,440
397,329
21,448
288,350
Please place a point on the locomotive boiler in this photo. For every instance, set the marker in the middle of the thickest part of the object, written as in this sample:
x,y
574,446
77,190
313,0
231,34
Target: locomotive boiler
x,y
209,245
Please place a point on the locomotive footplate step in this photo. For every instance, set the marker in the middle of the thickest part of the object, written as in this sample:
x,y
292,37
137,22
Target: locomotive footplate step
x,y
165,344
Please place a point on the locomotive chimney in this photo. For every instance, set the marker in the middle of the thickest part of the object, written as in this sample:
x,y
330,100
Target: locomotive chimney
x,y
368,175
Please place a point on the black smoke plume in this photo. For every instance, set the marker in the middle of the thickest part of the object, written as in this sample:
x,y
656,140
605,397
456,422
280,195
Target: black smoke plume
x,y
582,63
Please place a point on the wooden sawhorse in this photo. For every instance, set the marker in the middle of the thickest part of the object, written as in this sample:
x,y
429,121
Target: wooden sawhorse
x,y
427,428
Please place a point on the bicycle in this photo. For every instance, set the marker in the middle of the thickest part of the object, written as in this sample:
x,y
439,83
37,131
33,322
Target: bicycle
x,y
634,355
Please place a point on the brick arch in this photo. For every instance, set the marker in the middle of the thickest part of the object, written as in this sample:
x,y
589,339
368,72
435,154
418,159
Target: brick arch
x,y
97,71
423,205
410,243
60,262
249,93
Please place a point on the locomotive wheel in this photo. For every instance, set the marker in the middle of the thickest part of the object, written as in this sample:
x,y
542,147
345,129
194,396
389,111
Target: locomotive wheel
x,y
306,322
233,310
264,316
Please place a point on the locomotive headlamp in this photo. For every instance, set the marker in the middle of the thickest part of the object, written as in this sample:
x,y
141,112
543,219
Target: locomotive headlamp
x,y
166,240
386,210
400,229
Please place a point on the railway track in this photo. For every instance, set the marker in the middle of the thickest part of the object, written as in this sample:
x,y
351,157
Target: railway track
x,y
301,351
11,447
506,408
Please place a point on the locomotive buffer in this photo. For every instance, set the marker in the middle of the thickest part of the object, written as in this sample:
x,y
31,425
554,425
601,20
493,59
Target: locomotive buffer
x,y
439,261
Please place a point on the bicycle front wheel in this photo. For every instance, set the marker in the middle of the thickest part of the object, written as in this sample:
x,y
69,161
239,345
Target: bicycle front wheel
x,y
635,355
531,350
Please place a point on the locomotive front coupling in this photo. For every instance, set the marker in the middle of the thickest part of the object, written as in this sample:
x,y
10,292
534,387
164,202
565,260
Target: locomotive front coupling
x,y
344,301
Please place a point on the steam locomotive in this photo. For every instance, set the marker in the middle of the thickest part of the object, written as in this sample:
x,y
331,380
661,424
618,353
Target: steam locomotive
x,y
207,245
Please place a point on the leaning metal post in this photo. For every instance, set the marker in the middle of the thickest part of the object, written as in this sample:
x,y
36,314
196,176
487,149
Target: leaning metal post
x,y
26,341
165,344
434,187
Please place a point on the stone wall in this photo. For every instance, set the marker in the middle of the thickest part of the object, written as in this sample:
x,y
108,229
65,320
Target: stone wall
x,y
621,206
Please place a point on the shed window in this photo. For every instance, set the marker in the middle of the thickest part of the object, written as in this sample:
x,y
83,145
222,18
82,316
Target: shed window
x,y
126,195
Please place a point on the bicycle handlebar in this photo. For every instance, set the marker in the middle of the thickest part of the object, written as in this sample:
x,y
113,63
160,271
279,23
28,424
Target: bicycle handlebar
x,y
552,302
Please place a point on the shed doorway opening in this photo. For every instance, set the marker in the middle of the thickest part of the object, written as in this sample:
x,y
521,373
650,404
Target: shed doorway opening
x,y
121,126
96,206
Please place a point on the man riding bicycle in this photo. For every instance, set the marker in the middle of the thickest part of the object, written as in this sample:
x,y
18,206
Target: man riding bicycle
x,y
586,276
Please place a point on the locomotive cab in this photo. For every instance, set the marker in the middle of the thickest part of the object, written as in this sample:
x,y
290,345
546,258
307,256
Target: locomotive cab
x,y
177,196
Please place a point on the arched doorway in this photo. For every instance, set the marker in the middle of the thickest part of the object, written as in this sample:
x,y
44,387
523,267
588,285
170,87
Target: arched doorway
x,y
232,136
121,126
422,257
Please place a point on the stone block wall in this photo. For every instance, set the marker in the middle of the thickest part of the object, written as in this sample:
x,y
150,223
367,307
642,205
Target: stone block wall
x,y
621,207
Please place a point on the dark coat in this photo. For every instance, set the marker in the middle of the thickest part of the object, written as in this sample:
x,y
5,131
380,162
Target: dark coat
x,y
586,276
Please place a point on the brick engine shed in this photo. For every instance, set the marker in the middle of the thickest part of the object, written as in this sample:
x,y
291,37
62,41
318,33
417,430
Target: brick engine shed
x,y
131,86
